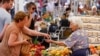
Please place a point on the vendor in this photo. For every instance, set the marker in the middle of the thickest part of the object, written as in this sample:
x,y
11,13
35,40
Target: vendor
x,y
77,41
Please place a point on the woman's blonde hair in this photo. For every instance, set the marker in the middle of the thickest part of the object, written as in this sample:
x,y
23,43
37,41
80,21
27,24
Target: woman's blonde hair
x,y
19,16
29,5
77,21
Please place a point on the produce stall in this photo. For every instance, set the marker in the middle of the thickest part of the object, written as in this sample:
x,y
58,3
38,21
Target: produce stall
x,y
38,50
91,24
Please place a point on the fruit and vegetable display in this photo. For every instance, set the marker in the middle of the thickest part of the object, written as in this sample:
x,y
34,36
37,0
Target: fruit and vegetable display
x,y
38,50
59,51
94,49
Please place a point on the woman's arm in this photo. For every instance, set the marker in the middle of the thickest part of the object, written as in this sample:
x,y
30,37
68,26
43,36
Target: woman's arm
x,y
2,32
59,43
13,40
28,31
56,42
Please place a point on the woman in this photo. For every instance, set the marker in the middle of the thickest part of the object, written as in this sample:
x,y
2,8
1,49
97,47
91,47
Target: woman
x,y
13,38
77,41
31,8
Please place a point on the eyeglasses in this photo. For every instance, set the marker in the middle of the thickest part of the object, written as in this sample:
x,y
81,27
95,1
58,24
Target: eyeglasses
x,y
33,8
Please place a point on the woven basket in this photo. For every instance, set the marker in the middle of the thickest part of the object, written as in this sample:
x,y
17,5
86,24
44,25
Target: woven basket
x,y
25,49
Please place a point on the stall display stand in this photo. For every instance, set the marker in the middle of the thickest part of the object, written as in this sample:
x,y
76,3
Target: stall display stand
x,y
91,24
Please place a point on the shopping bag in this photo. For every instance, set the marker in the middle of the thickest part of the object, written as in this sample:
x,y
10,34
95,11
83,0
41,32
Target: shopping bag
x,y
25,49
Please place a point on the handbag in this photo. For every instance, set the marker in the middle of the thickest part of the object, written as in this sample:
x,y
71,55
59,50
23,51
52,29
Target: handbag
x,y
25,49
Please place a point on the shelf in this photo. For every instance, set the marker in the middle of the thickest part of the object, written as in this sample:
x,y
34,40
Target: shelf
x,y
91,24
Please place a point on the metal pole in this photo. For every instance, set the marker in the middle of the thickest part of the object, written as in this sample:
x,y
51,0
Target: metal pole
x,y
75,7
21,5
71,5
59,8
16,5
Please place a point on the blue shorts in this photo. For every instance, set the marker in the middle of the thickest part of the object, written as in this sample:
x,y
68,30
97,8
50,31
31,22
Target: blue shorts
x,y
80,52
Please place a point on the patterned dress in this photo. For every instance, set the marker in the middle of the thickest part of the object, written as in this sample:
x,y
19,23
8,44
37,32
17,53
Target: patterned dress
x,y
78,42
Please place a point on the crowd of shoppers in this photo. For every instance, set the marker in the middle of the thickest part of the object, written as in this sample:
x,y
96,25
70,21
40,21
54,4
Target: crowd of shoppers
x,y
24,22
11,32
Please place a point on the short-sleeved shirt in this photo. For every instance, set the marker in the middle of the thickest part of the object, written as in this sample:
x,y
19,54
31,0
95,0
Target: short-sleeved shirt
x,y
5,18
77,40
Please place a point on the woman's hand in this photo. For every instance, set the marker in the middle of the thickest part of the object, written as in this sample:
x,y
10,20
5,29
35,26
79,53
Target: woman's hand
x,y
55,42
25,41
46,35
49,40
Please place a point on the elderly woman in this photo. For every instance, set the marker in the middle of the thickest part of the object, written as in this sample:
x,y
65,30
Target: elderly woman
x,y
77,41
13,38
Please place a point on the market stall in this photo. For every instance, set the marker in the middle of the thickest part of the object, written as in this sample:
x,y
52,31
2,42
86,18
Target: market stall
x,y
52,51
91,24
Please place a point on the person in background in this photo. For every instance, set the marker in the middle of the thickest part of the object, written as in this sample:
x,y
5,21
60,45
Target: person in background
x,y
13,37
12,11
94,10
80,10
86,10
50,6
56,4
53,27
41,39
38,7
46,17
0,3
63,2
77,41
64,22
5,17
43,26
44,6
98,4
31,8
